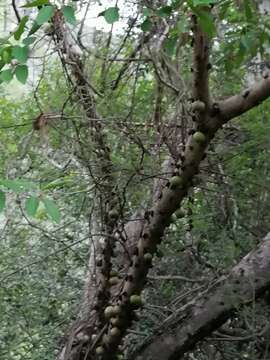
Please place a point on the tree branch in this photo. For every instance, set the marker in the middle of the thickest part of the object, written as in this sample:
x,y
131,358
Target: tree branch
x,y
181,332
201,46
241,103
16,11
200,86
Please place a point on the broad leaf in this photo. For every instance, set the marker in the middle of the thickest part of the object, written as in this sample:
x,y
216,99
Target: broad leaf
x,y
165,11
170,45
18,185
20,53
146,12
52,210
29,40
31,205
6,54
146,25
21,73
111,14
34,28
36,3
181,27
206,22
45,14
69,14
6,75
20,30
2,200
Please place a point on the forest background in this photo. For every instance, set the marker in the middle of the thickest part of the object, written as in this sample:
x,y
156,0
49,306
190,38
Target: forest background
x,y
135,180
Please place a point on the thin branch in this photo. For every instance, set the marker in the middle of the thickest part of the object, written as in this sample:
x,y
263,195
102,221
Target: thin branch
x,y
16,10
174,277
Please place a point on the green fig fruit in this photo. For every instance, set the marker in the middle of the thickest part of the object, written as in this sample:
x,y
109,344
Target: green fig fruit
x,y
136,300
116,310
113,280
148,257
198,106
100,350
176,181
115,332
199,137
109,312
180,213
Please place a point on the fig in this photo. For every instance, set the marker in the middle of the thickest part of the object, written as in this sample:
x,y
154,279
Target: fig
x,y
199,137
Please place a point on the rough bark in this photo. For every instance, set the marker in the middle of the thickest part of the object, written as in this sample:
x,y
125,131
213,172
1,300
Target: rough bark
x,y
247,281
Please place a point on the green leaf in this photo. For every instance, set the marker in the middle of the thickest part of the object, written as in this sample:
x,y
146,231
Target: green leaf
x,y
111,14
29,40
182,26
165,11
21,73
69,14
203,2
20,30
57,183
146,25
18,185
206,22
51,210
239,57
44,14
248,9
2,200
34,28
146,12
6,75
6,55
20,53
2,64
170,45
246,41
31,205
36,3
